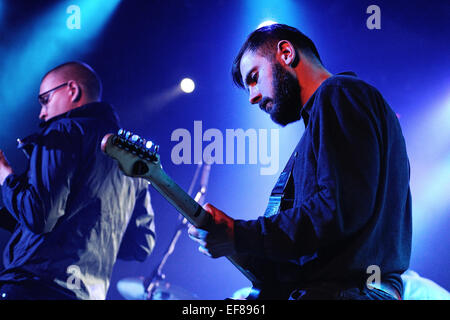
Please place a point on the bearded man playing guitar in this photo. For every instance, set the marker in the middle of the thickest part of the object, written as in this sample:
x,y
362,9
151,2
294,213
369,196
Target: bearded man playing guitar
x,y
342,204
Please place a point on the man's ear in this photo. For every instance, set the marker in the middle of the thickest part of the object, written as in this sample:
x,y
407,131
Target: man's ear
x,y
287,54
75,90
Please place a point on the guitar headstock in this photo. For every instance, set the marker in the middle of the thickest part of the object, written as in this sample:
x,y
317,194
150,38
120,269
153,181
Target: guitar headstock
x,y
136,156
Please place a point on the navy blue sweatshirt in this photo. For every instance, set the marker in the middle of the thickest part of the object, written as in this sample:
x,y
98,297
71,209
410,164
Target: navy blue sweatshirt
x,y
352,201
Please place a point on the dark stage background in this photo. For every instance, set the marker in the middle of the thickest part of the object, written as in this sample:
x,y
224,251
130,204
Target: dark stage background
x,y
142,49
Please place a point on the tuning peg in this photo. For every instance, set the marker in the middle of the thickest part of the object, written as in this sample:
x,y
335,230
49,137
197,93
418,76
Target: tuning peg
x,y
124,133
151,147
135,138
148,145
136,145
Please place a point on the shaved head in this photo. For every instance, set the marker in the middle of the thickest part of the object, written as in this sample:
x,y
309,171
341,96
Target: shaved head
x,y
83,74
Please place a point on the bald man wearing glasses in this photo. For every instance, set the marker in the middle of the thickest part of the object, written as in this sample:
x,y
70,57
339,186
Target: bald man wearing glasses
x,y
72,214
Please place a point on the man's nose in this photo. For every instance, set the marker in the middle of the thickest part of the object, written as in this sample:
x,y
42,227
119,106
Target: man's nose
x,y
255,95
43,113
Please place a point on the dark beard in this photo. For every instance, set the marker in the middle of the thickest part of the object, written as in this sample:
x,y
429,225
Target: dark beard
x,y
286,102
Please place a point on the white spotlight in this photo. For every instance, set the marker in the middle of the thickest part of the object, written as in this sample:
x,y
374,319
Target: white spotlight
x,y
187,85
266,23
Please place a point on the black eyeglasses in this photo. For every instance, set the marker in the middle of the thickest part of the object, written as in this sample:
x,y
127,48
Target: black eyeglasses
x,y
45,97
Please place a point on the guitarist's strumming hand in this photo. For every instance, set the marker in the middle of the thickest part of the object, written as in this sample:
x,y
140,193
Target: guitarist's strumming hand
x,y
218,240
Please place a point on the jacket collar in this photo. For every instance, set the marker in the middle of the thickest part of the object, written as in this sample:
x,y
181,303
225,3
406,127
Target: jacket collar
x,y
99,110
306,109
94,109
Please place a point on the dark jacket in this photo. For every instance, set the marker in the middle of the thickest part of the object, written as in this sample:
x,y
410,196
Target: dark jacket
x,y
352,201
76,213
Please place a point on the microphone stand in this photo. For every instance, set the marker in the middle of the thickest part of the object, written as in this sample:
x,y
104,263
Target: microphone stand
x,y
151,282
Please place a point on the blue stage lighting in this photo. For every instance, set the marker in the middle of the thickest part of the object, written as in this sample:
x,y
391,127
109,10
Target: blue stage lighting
x,y
53,37
272,11
187,85
266,23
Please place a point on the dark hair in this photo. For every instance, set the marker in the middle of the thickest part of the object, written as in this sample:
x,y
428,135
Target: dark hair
x,y
265,40
82,73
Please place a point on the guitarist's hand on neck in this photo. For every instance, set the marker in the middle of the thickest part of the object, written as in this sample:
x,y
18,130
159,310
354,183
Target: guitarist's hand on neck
x,y
218,239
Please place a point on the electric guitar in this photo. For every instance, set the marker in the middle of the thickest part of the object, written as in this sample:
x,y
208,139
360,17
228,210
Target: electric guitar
x,y
138,157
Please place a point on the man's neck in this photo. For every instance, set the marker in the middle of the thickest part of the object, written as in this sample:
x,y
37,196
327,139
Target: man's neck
x,y
310,77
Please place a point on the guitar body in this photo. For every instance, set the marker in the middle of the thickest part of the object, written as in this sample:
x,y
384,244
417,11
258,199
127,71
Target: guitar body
x,y
139,158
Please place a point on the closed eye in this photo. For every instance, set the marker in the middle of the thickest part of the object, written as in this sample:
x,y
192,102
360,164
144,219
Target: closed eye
x,y
252,77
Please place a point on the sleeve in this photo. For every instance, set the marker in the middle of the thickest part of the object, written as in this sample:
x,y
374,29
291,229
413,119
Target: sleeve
x,y
7,222
37,198
139,238
346,147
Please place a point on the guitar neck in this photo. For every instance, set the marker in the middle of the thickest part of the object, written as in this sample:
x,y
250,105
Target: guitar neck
x,y
183,202
138,158
190,209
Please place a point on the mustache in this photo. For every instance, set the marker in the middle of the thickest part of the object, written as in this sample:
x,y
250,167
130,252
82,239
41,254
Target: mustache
x,y
264,102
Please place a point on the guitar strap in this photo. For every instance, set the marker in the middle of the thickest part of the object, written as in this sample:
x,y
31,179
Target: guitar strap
x,y
282,195
266,271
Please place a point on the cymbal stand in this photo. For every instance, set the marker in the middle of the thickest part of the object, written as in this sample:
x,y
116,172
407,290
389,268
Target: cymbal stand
x,y
151,282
